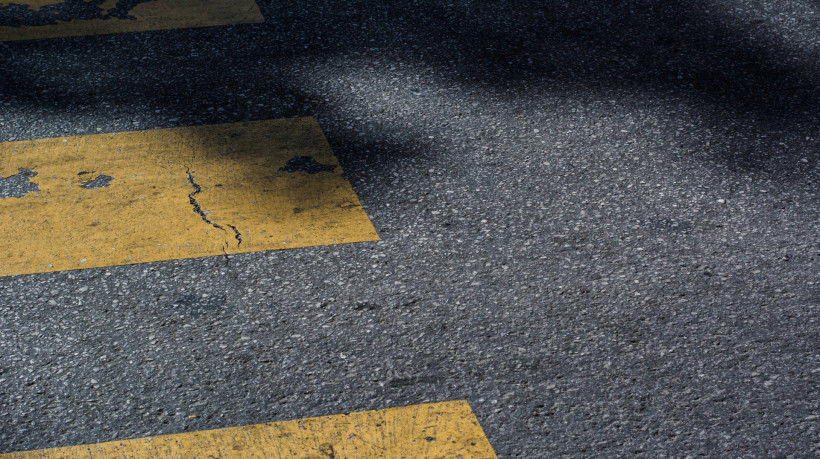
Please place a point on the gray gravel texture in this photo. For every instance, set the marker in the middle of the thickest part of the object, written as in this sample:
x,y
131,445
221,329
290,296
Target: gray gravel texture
x,y
599,225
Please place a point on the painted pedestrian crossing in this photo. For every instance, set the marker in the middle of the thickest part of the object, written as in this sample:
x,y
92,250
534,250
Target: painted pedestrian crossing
x,y
146,196
37,19
436,430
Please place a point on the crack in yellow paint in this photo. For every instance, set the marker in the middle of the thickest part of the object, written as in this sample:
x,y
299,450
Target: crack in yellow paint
x,y
154,15
435,430
204,213
146,212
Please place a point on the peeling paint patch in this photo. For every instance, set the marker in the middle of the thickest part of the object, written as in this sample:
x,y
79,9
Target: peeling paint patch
x,y
18,185
100,181
306,164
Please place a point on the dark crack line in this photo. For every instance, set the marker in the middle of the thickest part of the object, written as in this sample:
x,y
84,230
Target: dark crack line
x,y
197,207
204,215
228,263
227,257
237,234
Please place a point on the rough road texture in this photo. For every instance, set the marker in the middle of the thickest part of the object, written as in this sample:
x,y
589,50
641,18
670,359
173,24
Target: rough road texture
x,y
599,225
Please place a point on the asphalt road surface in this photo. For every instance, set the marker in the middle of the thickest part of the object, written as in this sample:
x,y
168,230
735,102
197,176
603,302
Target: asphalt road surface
x,y
598,221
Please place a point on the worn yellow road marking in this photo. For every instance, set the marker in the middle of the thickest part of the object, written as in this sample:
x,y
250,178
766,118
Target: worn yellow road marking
x,y
437,430
135,197
33,4
33,19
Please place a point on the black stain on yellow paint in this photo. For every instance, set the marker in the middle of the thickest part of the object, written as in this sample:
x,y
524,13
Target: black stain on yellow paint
x,y
100,181
327,450
20,14
18,185
306,164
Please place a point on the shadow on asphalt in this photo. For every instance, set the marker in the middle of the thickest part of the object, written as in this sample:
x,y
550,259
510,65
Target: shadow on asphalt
x,y
740,73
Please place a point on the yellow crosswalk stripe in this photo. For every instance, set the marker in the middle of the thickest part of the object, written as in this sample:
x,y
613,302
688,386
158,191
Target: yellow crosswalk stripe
x,y
145,196
436,430
34,19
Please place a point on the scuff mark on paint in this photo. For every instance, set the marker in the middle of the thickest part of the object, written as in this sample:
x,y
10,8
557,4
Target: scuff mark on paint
x,y
19,184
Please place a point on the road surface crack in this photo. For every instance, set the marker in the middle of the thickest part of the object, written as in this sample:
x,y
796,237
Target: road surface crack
x,y
195,204
204,214
237,234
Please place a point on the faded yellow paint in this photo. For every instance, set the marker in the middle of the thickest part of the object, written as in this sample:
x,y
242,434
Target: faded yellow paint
x,y
108,4
147,212
436,430
152,15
